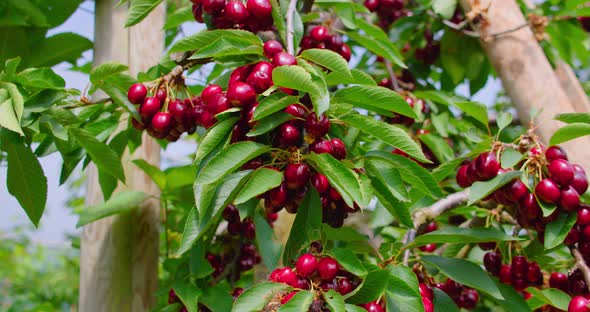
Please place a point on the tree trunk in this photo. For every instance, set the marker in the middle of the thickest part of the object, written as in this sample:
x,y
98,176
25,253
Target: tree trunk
x,y
525,71
119,254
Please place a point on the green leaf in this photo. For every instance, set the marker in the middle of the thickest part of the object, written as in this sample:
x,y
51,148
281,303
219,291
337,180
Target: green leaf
x,y
349,261
227,46
444,8
178,17
551,296
139,9
58,48
16,97
402,291
120,202
513,301
8,118
228,160
262,180
215,136
272,104
105,70
188,294
25,179
503,120
345,234
510,157
557,230
299,303
446,169
390,190
451,57
294,77
217,298
569,132
390,134
307,221
257,296
102,155
442,302
464,236
374,41
439,146
153,172
574,118
340,177
328,59
268,246
476,110
207,37
41,78
374,98
353,308
480,190
466,273
334,300
372,287
269,123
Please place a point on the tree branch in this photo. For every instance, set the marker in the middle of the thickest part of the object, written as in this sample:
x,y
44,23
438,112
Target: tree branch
x,y
410,236
307,5
392,77
581,264
290,13
421,216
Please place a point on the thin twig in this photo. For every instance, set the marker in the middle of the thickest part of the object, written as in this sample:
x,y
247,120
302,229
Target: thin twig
x,y
290,13
392,76
581,264
307,5
454,200
410,236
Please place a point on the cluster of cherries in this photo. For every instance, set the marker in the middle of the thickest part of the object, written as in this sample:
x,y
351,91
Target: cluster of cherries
x,y
520,273
575,286
462,295
254,16
388,11
319,37
430,52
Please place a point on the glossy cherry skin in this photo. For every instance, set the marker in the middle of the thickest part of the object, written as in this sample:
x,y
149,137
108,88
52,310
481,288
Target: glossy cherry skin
x,y
322,146
240,74
569,200
306,265
431,227
492,261
198,12
345,52
428,305
580,182
548,191
319,33
320,182
558,280
327,268
373,307
235,11
283,58
287,276
259,8
296,175
372,5
425,291
213,7
339,149
209,93
487,166
583,215
162,122
578,304
149,108
530,207
517,190
271,48
289,135
296,110
317,127
462,178
137,93
260,77
179,111
519,266
561,171
505,274
288,296
278,196
555,152
218,104
344,286
241,94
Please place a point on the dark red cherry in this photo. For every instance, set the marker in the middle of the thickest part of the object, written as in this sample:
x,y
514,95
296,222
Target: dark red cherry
x,y
372,5
317,127
345,52
452,288
296,175
328,268
260,77
338,149
335,42
373,306
583,215
555,152
505,274
322,146
578,169
334,195
235,11
517,190
231,213
283,58
241,94
213,7
461,177
161,95
487,166
519,266
296,110
492,261
137,124
278,196
288,297
162,122
569,200
319,33
561,171
179,111
198,12
321,184
344,286
306,265
529,207
430,227
240,74
580,182
425,291
288,135
271,48
218,104
534,275
207,119
259,8
548,191
287,276
572,237
558,280
428,248
137,93
209,93
149,108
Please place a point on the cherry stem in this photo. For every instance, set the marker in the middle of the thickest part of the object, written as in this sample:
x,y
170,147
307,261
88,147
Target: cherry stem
x,y
581,264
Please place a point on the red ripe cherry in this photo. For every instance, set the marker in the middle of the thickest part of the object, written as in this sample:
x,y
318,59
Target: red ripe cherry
x,y
569,200
583,215
372,5
235,11
548,191
558,280
306,265
319,34
260,77
289,135
271,48
240,74
321,184
259,8
578,304
534,274
430,227
428,248
137,93
530,207
461,177
345,52
555,152
572,237
288,296
161,95
283,58
302,283
287,276
334,195
172,297
328,268
428,305
218,104
344,286
274,275
487,166
469,298
149,108
231,213
492,261
339,149
392,5
241,94
561,171
580,182
207,119
210,92
278,196
452,288
586,233
296,110
213,7
296,175
178,110
519,266
198,12
335,42
137,124
373,307
322,146
425,291
578,169
317,127
505,274
162,122
517,190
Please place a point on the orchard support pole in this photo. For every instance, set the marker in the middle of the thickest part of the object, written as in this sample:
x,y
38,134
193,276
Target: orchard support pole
x,y
119,254
526,73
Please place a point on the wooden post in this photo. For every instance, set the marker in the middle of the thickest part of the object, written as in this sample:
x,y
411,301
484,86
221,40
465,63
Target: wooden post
x,y
119,254
525,71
